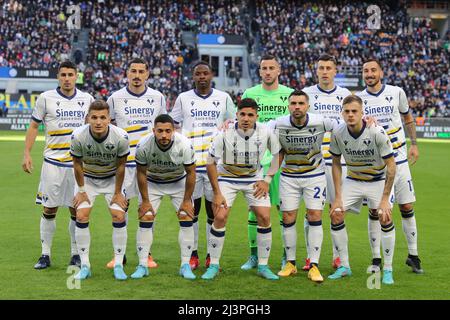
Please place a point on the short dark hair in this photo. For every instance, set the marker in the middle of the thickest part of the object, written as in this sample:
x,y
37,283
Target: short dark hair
x,y
374,60
352,98
247,103
98,105
139,61
267,57
327,57
201,63
164,118
299,93
67,64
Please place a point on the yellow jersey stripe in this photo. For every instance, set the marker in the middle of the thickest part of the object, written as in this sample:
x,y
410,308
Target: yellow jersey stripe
x,y
58,145
60,132
194,134
395,130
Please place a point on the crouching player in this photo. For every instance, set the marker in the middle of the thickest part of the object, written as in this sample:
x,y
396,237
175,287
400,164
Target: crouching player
x,y
165,166
367,152
99,150
234,165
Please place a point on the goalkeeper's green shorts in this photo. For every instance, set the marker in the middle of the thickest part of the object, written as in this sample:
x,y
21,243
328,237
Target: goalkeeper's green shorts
x,y
273,187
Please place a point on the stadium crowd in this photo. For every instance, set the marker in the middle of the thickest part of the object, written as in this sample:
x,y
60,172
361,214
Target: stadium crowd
x,y
410,50
34,34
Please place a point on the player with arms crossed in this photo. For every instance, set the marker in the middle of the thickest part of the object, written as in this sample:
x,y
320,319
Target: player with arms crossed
x,y
325,98
389,105
165,166
199,113
302,176
234,165
272,100
134,109
61,111
99,150
371,170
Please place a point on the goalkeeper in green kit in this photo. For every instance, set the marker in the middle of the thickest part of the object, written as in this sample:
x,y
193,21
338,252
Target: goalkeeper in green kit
x,y
272,100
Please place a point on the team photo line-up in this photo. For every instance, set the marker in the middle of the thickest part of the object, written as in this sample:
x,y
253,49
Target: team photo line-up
x,y
278,146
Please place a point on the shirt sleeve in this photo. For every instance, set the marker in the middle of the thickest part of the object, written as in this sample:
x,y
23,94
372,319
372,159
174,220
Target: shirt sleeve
x,y
140,156
177,111
124,146
76,149
383,143
163,109
274,142
217,149
189,155
230,112
330,124
39,110
334,146
112,112
403,106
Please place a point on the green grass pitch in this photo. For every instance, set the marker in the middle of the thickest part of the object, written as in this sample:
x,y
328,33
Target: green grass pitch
x,y
19,237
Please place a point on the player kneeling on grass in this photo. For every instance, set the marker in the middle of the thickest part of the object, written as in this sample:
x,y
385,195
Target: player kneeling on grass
x,y
234,164
367,152
165,166
99,150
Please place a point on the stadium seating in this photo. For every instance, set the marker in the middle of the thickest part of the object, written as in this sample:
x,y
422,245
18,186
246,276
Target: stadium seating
x,y
33,34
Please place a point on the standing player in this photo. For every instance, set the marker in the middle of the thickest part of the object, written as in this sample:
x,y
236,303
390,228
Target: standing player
x,y
388,104
234,165
200,112
302,176
61,111
326,98
368,154
272,99
134,109
165,166
99,150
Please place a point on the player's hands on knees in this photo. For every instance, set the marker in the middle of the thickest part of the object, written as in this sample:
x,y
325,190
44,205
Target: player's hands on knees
x,y
337,208
385,212
219,202
120,200
144,208
79,198
27,164
186,208
261,189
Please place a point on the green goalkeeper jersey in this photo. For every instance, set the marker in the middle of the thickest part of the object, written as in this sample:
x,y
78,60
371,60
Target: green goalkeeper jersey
x,y
272,104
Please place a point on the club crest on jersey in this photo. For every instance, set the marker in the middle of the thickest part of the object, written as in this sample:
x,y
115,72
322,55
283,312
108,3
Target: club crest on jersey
x,y
125,101
365,102
345,142
389,98
312,130
216,103
367,141
283,98
89,146
339,98
58,103
150,101
81,104
316,96
192,103
154,155
287,131
109,146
